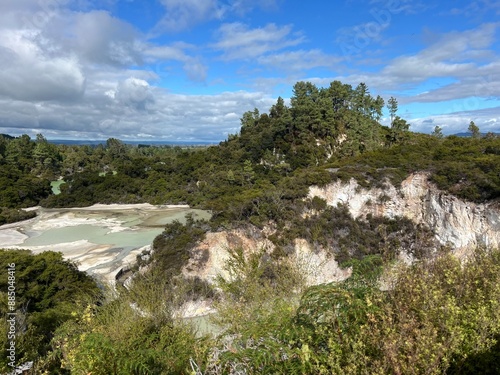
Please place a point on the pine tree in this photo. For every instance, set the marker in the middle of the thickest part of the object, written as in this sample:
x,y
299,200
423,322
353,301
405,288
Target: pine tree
x,y
474,130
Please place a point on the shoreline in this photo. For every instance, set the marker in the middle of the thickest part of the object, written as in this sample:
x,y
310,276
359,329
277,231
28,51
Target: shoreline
x,y
131,206
102,238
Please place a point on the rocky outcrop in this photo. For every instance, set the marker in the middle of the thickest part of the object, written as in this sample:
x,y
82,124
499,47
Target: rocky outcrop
x,y
455,222
208,259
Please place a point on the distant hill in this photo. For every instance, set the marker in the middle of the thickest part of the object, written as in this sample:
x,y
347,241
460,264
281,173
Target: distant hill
x,y
144,142
468,134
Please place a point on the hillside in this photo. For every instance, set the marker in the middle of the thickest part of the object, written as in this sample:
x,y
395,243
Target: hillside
x,y
313,207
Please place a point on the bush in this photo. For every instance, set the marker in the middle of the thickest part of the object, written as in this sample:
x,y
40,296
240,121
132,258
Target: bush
x,y
49,292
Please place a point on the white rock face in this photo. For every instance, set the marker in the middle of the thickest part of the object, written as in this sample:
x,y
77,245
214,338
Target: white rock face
x,y
456,222
208,259
317,267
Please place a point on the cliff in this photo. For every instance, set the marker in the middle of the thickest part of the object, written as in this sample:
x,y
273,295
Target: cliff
x,y
460,224
455,222
209,257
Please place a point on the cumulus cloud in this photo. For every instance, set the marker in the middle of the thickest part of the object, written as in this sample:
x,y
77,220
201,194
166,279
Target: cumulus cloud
x,y
446,57
451,57
101,38
134,92
477,8
242,7
193,67
88,74
488,120
467,57
29,73
170,116
184,14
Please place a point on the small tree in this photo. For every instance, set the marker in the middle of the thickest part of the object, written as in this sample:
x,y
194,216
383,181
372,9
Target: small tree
x,y
474,129
392,106
399,130
438,132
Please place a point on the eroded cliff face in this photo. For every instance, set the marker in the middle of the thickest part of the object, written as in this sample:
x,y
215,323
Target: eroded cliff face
x,y
458,223
208,259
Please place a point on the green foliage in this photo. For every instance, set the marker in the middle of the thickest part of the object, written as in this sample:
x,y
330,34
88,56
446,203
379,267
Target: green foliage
x,y
474,130
465,167
49,291
437,316
260,177
11,215
450,314
134,334
258,299
172,247
437,132
334,230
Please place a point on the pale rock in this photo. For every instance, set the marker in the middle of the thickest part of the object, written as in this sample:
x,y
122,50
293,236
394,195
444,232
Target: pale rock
x,y
209,258
455,222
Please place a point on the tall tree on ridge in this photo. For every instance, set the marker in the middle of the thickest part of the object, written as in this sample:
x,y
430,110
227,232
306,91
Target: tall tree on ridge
x,y
474,130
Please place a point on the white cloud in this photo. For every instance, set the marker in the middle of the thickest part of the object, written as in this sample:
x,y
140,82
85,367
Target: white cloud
x,y
101,38
131,109
242,7
134,92
402,6
195,70
237,41
89,74
467,57
29,73
193,67
446,57
182,14
477,8
299,60
488,120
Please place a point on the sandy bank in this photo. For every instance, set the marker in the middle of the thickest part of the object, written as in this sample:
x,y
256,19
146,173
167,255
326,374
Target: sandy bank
x,y
101,238
136,206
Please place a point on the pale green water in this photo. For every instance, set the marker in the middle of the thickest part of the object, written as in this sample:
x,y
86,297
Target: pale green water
x,y
140,228
95,234
56,186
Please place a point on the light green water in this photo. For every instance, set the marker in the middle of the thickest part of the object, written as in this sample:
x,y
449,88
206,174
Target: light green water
x,y
56,186
95,234
139,228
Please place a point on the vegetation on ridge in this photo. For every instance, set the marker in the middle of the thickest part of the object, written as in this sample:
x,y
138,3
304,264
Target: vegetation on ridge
x,y
437,316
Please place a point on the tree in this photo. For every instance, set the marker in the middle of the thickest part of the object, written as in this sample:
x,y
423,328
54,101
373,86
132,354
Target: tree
x,y
19,153
438,132
399,129
305,108
474,130
249,119
248,171
392,106
45,155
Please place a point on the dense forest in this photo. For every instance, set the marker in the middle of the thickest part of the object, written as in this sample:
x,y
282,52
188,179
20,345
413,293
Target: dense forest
x,y
259,178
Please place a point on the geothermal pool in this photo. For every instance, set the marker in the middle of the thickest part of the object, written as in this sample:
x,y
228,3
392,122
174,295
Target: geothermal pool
x,y
101,239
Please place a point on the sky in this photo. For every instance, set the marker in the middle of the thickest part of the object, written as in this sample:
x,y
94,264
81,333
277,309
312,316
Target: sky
x,y
187,70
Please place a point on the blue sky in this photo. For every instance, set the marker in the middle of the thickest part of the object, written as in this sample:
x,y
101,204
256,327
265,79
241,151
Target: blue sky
x,y
188,69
